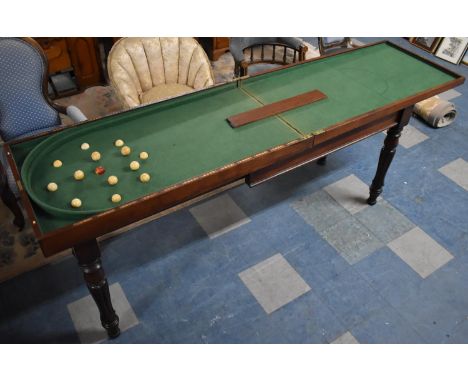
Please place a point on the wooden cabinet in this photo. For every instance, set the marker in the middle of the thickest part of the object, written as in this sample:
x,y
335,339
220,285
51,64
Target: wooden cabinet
x,y
77,54
214,46
56,51
85,60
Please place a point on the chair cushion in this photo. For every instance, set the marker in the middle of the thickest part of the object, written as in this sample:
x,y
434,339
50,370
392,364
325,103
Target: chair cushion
x,y
163,91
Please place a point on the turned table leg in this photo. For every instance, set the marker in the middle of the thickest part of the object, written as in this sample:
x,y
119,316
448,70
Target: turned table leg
x,y
386,155
11,202
89,259
9,199
322,161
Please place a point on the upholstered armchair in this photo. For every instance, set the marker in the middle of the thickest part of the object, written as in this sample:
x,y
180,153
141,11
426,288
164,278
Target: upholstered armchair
x,y
148,69
25,108
274,51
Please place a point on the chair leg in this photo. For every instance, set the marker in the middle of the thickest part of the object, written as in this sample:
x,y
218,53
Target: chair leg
x,y
322,161
11,202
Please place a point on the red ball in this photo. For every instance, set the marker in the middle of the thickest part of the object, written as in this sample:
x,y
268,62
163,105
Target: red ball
x,y
99,170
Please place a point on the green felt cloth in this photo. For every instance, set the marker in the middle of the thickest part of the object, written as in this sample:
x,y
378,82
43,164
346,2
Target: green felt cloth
x,y
189,136
355,83
184,138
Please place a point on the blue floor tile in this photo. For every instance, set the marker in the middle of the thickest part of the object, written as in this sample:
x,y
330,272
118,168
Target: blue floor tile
x,y
386,327
351,298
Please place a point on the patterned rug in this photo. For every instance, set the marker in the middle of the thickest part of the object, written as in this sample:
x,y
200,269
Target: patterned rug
x,y
19,252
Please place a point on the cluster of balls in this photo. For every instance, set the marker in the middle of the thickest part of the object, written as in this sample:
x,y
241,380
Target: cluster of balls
x,y
112,179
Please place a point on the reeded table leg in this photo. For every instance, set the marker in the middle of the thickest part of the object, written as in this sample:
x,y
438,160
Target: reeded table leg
x,y
386,156
89,258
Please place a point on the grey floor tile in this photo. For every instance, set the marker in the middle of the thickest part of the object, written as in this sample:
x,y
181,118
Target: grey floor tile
x,y
346,338
219,215
350,192
320,210
352,240
411,136
422,253
449,94
85,315
457,171
274,283
385,221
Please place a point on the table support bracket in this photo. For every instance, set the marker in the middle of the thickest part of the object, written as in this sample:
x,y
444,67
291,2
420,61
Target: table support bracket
x,y
386,155
88,256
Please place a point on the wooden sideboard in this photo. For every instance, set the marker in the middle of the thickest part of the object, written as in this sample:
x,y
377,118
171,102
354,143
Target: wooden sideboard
x,y
214,46
77,54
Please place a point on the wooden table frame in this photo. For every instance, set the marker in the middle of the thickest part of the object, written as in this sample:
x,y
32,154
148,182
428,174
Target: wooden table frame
x,y
81,236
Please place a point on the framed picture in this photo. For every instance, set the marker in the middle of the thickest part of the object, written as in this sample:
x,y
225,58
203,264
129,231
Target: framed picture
x,y
429,44
452,49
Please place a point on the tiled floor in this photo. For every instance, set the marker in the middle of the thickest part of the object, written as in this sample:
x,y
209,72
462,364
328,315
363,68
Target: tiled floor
x,y
299,259
85,315
274,283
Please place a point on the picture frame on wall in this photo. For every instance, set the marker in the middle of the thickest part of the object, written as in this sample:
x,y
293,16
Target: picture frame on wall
x,y
429,44
452,49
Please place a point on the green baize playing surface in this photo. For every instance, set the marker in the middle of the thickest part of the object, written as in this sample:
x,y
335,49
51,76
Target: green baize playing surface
x,y
189,136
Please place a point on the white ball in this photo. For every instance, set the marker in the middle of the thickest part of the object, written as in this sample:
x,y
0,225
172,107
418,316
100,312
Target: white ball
x,y
76,203
85,146
79,175
125,151
119,143
116,198
52,187
144,155
145,178
95,156
112,180
134,165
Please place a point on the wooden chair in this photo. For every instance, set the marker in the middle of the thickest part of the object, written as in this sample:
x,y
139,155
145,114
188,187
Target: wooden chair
x,y
249,51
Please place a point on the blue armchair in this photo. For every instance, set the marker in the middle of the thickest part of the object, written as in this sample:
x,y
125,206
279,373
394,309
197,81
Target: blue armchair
x,y
25,108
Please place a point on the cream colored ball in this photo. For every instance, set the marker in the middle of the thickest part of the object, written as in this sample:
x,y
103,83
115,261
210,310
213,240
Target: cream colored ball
x,y
112,180
79,175
76,203
57,163
145,178
116,198
52,187
125,151
119,143
134,165
85,146
144,155
95,156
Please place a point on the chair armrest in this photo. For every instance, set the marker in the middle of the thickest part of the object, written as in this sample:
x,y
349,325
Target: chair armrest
x,y
75,114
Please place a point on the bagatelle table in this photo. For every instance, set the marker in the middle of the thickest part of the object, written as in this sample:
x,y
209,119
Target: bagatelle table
x,y
193,149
